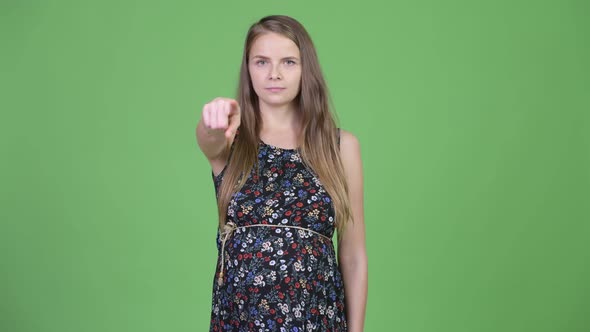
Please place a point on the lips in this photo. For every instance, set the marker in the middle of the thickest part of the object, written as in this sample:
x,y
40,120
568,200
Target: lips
x,y
275,89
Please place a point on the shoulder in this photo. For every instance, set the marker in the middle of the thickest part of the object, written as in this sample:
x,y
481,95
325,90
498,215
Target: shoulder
x,y
349,143
350,151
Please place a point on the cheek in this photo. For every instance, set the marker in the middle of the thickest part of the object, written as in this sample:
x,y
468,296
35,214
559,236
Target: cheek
x,y
297,76
255,79
296,81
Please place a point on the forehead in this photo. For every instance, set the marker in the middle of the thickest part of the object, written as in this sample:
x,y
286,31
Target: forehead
x,y
273,45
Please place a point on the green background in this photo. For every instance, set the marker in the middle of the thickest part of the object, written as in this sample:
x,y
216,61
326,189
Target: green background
x,y
474,130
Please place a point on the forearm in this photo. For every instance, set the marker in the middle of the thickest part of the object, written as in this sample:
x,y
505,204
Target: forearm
x,y
211,142
355,275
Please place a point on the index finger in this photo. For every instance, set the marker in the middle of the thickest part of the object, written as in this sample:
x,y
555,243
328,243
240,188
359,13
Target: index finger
x,y
234,104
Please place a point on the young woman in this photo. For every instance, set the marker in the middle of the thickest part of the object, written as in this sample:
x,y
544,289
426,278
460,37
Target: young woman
x,y
286,178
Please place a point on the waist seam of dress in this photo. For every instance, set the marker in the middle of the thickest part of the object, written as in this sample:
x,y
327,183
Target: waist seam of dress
x,y
231,226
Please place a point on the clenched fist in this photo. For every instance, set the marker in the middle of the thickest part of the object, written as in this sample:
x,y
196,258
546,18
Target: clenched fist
x,y
221,116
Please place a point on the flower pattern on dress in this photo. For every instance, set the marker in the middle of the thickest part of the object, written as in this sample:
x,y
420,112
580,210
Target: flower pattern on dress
x,y
279,278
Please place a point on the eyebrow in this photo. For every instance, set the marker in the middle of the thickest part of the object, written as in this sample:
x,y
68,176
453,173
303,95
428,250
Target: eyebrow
x,y
266,58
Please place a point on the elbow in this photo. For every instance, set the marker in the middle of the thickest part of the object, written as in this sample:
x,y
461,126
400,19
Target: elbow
x,y
354,261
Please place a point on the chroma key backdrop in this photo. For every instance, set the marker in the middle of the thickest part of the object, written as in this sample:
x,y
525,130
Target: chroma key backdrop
x,y
473,120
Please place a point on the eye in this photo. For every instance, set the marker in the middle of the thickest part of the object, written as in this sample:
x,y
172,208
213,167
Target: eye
x,y
259,62
290,62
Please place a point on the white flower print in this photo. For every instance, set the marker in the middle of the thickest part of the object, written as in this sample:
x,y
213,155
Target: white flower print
x,y
289,275
259,281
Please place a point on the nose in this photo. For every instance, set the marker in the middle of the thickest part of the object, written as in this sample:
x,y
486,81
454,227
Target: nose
x,y
274,73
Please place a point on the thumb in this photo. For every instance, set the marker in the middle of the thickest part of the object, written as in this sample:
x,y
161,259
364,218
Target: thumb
x,y
233,127
229,132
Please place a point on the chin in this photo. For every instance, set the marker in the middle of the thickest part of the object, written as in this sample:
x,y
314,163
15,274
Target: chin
x,y
277,100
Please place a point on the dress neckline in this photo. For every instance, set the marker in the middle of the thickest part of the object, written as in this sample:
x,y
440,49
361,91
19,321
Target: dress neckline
x,y
278,148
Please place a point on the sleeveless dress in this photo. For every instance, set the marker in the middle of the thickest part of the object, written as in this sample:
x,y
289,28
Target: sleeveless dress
x,y
278,278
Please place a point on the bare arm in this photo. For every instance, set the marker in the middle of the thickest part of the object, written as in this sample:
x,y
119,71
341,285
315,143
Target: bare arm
x,y
352,256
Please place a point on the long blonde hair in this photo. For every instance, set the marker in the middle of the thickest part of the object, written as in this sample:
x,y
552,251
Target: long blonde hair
x,y
318,143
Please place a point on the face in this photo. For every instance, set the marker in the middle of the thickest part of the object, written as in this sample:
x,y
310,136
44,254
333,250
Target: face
x,y
274,62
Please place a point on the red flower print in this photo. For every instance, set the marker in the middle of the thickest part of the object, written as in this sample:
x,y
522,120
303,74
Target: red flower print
x,y
281,191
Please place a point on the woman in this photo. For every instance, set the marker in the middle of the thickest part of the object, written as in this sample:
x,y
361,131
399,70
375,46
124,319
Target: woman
x,y
277,269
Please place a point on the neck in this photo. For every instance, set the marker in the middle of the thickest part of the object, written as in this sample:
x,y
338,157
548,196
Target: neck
x,y
283,118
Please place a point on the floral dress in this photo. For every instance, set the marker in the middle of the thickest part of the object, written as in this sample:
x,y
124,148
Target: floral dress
x,y
283,276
